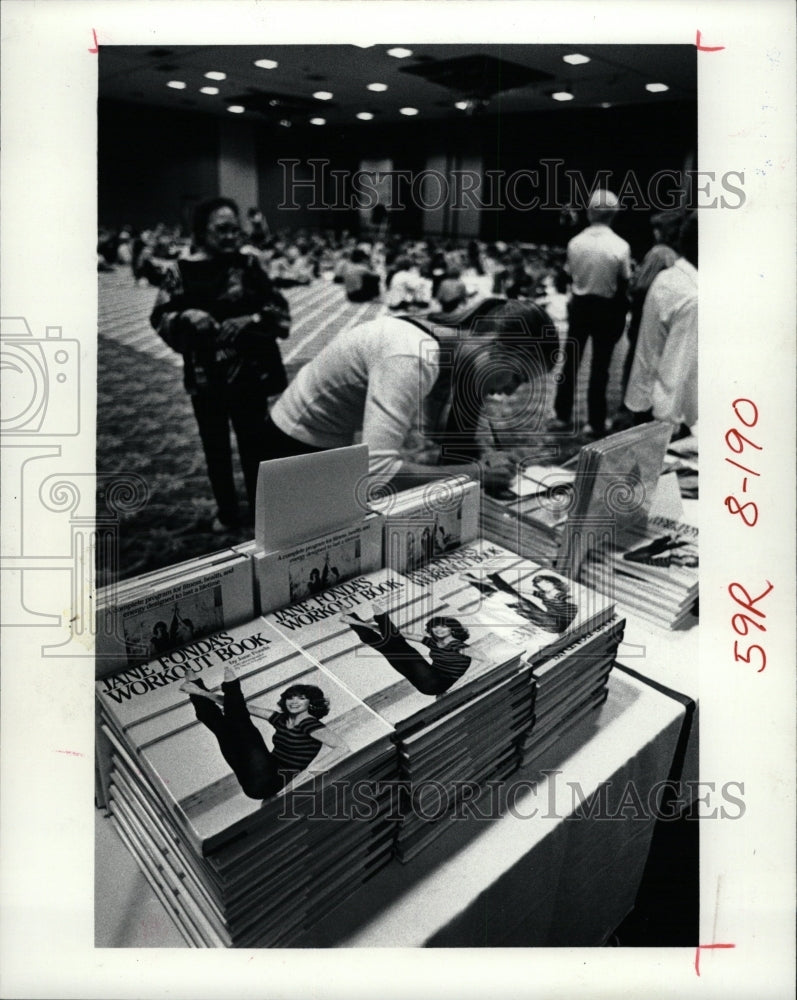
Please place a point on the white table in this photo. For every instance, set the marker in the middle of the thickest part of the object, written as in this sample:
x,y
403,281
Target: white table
x,y
519,880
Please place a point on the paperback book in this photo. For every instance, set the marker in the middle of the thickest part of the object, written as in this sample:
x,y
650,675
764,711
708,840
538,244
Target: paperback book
x,y
227,725
408,655
304,570
425,521
145,618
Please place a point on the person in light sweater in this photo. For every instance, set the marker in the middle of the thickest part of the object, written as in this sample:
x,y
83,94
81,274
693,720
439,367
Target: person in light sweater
x,y
393,377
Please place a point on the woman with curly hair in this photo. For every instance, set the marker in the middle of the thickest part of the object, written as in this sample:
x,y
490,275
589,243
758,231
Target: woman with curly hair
x,y
547,604
298,732
446,639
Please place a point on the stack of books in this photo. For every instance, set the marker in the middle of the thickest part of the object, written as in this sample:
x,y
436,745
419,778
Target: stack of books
x,y
261,768
652,570
434,670
555,515
616,481
529,516
255,807
525,606
140,618
569,686
569,635
150,615
444,763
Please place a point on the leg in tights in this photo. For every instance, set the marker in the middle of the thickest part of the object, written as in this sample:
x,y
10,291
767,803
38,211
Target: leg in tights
x,y
240,742
402,657
214,431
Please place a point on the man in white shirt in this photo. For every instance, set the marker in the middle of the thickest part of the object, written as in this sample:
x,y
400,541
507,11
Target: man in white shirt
x,y
599,264
663,380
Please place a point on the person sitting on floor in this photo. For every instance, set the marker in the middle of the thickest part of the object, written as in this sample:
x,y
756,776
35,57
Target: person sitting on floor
x,y
291,269
360,282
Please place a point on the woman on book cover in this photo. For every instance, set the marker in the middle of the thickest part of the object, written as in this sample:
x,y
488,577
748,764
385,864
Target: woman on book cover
x,y
446,639
299,734
664,551
548,604
218,308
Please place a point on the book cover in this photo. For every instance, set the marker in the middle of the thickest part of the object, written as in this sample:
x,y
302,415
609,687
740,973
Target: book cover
x,y
406,654
662,548
530,606
424,522
233,722
302,571
135,630
335,479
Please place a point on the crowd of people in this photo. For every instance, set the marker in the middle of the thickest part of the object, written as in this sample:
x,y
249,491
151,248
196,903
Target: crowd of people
x,y
462,320
405,273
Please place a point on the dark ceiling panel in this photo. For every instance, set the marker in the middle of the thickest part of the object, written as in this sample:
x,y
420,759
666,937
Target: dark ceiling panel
x,y
478,75
498,79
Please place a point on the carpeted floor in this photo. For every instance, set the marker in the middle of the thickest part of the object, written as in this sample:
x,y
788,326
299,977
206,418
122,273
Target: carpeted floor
x,y
146,426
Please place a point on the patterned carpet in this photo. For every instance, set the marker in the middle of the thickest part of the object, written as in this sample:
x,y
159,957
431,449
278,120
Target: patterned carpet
x,y
146,426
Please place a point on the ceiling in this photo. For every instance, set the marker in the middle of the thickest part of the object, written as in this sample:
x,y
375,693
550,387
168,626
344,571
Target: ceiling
x,y
492,78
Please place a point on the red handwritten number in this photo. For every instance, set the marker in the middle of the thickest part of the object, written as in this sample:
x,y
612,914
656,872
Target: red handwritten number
x,y
741,624
735,507
736,441
735,405
737,655
96,48
742,597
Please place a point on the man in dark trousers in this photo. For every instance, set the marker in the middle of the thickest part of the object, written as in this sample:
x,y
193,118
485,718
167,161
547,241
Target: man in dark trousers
x,y
599,264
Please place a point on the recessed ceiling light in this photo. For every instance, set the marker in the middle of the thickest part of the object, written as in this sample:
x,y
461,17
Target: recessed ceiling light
x,y
364,116
237,109
399,52
606,104
576,59
378,88
208,90
562,95
656,88
323,95
285,123
266,63
462,105
318,121
408,111
176,84
216,75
